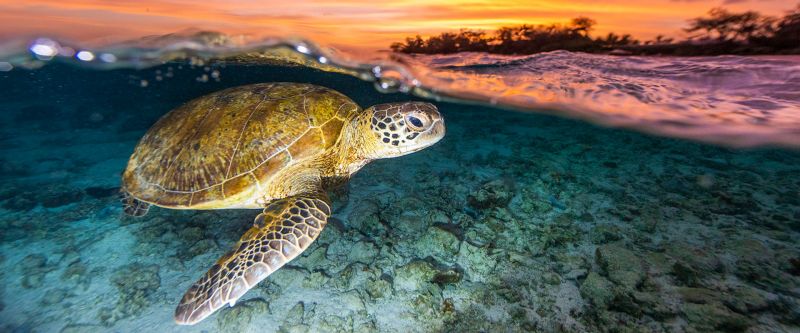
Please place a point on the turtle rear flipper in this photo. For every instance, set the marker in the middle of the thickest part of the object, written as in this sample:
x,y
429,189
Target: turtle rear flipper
x,y
132,206
279,234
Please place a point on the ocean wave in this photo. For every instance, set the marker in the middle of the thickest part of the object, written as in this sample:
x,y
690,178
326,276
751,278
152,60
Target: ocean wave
x,y
738,101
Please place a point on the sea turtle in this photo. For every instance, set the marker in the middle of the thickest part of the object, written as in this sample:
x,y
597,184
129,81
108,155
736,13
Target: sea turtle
x,y
272,146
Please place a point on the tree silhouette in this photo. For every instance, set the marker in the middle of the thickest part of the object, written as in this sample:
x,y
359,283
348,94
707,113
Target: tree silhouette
x,y
583,25
726,26
722,32
787,31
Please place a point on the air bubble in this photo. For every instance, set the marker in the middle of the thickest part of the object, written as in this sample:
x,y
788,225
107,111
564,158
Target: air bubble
x,y
85,56
108,57
66,51
44,49
389,80
387,85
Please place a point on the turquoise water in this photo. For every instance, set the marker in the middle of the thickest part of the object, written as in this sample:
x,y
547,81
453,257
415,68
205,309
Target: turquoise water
x,y
513,222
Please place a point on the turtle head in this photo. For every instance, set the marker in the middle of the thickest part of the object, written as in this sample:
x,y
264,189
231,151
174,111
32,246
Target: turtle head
x,y
397,129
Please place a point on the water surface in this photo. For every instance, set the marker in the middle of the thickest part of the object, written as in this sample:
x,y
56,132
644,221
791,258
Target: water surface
x,y
519,221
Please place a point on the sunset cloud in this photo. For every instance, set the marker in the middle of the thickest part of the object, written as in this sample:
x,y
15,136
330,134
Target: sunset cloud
x,y
349,23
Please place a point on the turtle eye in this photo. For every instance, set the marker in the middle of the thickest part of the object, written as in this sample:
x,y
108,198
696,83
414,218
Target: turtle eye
x,y
415,122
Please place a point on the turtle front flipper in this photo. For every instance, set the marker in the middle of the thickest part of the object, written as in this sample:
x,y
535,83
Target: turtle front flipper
x,y
279,234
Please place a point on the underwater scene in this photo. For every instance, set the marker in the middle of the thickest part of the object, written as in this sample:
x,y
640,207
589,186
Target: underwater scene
x,y
404,166
513,221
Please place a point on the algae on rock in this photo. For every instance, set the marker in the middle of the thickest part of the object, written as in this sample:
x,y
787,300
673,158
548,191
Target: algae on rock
x,y
238,317
136,284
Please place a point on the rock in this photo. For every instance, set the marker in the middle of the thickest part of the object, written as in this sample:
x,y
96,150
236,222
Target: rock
x,y
477,263
299,328
21,202
53,296
238,317
413,275
136,283
58,196
366,327
315,280
533,204
655,305
345,251
333,323
437,242
407,217
32,262
598,290
686,275
496,193
350,300
378,288
605,233
315,259
99,192
70,257
191,234
83,328
551,278
699,295
714,317
33,268
76,272
755,262
200,247
562,231
295,314
287,276
365,217
788,310
692,264
448,275
7,191
625,302
384,199
745,299
426,303
621,265
571,264
137,277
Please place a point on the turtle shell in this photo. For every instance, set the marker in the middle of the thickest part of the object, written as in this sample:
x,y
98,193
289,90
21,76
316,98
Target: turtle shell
x,y
222,147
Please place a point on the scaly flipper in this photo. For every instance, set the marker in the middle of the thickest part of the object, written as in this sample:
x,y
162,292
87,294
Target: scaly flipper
x,y
132,206
285,228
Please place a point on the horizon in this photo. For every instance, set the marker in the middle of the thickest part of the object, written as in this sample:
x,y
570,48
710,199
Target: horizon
x,y
351,24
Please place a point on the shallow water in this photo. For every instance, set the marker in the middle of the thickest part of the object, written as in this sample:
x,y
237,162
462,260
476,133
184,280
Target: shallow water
x,y
514,222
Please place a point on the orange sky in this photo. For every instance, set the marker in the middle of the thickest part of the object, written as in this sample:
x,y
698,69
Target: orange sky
x,y
353,23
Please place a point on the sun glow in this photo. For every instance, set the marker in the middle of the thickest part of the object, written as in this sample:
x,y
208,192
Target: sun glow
x,y
349,23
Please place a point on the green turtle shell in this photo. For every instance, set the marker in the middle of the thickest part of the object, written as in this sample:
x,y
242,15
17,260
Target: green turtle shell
x,y
223,147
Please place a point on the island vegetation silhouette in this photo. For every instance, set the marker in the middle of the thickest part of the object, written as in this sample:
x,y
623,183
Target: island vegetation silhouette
x,y
719,32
